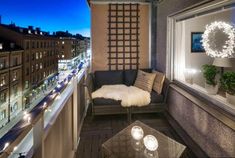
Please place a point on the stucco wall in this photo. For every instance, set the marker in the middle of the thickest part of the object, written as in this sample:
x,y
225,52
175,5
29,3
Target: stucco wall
x,y
164,9
214,137
99,36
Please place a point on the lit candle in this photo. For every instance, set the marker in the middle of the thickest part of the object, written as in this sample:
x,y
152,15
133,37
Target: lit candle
x,y
150,142
137,132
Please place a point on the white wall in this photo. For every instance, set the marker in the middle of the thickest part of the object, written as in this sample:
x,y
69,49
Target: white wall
x,y
198,24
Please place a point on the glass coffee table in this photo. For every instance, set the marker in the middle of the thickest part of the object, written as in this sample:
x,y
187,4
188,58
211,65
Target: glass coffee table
x,y
122,145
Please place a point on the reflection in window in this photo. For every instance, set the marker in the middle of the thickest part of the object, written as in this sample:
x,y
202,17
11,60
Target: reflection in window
x,y
189,55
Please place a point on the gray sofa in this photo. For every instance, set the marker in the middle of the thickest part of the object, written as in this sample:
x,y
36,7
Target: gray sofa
x,y
101,106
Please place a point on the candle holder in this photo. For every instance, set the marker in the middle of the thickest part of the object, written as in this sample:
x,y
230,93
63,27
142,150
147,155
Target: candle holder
x,y
151,145
137,134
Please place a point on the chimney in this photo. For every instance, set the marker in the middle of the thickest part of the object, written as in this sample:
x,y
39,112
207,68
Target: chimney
x,y
38,29
30,27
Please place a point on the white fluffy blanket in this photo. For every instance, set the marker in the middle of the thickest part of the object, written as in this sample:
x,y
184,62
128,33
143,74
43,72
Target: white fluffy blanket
x,y
129,96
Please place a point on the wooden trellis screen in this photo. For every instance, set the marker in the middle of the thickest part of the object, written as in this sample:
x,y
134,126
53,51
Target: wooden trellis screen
x,y
123,36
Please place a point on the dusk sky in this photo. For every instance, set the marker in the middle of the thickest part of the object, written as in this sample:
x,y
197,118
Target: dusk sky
x,y
49,15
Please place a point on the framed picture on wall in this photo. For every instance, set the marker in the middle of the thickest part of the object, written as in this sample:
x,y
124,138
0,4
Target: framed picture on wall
x,y
196,44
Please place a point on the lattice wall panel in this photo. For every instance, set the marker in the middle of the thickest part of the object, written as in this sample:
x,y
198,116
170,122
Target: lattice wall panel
x,y
123,33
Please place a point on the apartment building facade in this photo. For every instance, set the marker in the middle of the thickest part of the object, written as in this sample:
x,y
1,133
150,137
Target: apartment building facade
x,y
71,49
40,63
10,80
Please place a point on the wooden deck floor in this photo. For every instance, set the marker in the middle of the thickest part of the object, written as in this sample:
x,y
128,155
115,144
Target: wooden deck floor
x,y
97,130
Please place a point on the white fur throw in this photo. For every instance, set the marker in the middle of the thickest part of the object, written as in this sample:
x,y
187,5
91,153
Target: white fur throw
x,y
129,96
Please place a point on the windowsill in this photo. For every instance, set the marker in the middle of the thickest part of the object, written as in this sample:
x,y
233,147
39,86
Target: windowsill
x,y
217,100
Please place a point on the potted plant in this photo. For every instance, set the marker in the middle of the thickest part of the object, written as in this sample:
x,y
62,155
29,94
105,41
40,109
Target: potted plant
x,y
228,84
209,73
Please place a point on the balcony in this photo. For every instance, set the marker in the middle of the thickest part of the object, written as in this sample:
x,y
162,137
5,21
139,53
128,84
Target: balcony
x,y
159,47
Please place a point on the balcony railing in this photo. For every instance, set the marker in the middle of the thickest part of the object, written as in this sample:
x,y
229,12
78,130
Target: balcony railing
x,y
22,138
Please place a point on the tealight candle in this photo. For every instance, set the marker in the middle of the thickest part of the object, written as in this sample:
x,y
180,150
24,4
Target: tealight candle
x,y
137,132
150,142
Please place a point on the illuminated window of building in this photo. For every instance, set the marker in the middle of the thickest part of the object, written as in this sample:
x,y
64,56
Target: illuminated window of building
x,y
36,66
14,76
26,84
44,74
2,114
3,97
1,46
36,55
40,55
62,56
3,81
2,63
32,68
40,65
62,42
29,31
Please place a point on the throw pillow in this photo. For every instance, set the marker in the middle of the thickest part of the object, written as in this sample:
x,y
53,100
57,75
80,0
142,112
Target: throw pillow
x,y
145,80
158,82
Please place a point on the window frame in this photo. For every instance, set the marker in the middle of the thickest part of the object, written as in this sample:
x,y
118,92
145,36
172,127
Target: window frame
x,y
199,9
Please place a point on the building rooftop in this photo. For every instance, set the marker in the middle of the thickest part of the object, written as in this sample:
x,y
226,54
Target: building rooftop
x,y
6,45
27,31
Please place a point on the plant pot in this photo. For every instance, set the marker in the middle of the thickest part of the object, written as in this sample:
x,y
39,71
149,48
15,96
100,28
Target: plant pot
x,y
230,98
211,89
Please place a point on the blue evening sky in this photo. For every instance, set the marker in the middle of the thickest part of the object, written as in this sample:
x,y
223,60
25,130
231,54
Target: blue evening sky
x,y
49,15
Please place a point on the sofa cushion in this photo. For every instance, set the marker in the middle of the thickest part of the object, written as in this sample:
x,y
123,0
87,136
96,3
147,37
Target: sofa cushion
x,y
158,82
103,101
108,78
130,76
145,80
156,98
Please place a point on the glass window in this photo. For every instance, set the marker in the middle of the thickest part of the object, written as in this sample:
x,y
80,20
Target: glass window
x,y
3,80
14,76
14,107
192,65
32,56
15,90
15,61
3,97
27,71
36,55
2,114
33,46
2,63
36,66
26,84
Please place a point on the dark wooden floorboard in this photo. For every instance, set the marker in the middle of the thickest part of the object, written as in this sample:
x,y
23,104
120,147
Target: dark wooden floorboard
x,y
99,129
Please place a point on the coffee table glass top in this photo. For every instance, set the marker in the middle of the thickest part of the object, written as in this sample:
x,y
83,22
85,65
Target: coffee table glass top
x,y
122,145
